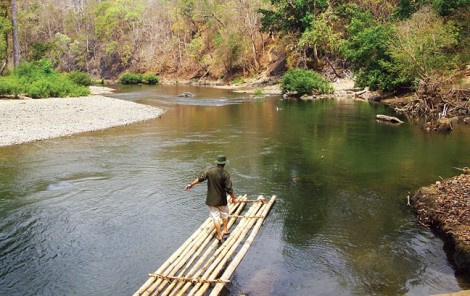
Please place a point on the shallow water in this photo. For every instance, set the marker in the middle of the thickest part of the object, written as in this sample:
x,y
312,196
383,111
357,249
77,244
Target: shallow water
x,y
94,213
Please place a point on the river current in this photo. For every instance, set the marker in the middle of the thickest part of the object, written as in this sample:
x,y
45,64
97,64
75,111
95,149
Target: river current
x,y
94,213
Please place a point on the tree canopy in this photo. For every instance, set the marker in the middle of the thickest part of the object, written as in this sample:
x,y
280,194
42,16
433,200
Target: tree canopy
x,y
385,43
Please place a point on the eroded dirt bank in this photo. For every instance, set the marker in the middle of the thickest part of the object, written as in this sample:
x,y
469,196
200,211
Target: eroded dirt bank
x,y
445,208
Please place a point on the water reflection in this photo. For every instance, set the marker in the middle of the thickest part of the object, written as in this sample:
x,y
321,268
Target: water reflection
x,y
93,214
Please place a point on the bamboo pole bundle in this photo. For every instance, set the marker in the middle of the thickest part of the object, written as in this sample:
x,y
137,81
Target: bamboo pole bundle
x,y
153,282
208,262
219,263
160,284
237,259
184,272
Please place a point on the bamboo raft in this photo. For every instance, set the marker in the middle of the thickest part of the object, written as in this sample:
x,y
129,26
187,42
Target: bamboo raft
x,y
202,263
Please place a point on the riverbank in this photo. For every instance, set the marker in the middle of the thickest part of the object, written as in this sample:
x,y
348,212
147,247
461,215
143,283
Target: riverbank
x,y
443,207
27,120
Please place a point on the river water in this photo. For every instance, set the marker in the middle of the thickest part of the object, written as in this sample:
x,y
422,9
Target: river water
x,y
93,214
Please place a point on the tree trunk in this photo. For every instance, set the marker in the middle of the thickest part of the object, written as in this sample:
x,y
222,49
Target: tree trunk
x,y
16,56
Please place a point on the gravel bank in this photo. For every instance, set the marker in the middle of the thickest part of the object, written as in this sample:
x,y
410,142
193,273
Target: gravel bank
x,y
29,120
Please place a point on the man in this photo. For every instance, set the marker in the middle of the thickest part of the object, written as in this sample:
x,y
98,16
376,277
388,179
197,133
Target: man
x,y
219,185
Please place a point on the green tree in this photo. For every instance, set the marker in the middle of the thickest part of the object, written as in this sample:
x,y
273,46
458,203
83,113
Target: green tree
x,y
291,16
115,25
366,47
423,46
322,37
5,29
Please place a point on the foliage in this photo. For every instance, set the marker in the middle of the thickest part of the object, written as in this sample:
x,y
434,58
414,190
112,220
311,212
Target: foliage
x,y
150,78
135,78
40,50
366,47
9,86
38,79
259,93
80,78
239,80
214,39
291,16
322,38
115,21
447,7
406,8
5,28
423,45
130,78
304,82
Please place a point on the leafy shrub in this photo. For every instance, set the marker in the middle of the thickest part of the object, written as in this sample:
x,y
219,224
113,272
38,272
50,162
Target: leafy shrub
x,y
30,71
259,92
80,78
39,79
238,80
130,78
304,82
9,86
60,87
150,78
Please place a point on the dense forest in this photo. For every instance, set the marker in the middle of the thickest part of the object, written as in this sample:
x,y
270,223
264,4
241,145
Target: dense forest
x,y
393,46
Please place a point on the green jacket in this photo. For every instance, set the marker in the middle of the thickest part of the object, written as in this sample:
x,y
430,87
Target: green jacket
x,y
219,185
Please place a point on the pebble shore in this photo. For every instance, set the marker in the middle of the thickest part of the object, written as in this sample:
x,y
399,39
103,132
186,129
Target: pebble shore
x,y
28,120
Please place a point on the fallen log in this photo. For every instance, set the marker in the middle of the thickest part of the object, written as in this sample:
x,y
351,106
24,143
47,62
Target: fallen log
x,y
388,118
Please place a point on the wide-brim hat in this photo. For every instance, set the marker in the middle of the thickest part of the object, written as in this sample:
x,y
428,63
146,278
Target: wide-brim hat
x,y
221,159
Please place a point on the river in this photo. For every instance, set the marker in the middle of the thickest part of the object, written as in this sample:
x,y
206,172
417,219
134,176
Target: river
x,y
94,213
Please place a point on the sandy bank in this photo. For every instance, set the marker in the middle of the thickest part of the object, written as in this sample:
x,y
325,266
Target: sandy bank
x,y
29,120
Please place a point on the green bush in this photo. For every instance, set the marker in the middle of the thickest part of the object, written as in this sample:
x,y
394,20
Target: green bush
x,y
80,78
130,78
9,86
304,82
60,87
39,79
150,78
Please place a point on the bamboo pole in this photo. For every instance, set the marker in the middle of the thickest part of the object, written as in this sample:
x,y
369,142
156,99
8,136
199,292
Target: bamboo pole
x,y
195,268
238,208
220,264
237,259
178,264
208,262
181,260
152,281
263,200
229,247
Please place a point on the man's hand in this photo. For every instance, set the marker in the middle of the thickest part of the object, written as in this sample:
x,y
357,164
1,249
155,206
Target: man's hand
x,y
189,186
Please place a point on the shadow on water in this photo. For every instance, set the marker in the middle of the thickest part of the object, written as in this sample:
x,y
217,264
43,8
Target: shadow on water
x,y
94,213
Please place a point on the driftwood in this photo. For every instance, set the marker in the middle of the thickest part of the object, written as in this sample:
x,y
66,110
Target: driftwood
x,y
388,118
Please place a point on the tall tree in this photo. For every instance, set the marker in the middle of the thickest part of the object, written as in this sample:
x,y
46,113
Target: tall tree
x,y
5,28
16,55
